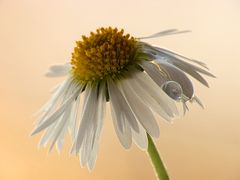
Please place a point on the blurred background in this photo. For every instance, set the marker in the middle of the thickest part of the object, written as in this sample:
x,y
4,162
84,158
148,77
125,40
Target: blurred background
x,y
203,145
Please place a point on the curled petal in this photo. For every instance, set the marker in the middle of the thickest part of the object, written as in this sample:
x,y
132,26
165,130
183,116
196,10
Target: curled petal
x,y
177,75
173,90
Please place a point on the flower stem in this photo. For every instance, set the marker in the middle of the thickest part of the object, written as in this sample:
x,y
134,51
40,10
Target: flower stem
x,y
156,160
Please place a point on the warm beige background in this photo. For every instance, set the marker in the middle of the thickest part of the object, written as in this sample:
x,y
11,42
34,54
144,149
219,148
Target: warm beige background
x,y
204,145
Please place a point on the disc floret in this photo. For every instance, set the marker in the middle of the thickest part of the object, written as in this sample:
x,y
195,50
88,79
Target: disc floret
x,y
105,53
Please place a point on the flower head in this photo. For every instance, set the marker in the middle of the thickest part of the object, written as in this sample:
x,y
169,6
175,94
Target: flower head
x,y
136,78
104,54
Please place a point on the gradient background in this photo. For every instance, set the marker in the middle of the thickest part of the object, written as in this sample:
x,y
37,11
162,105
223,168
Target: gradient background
x,y
204,145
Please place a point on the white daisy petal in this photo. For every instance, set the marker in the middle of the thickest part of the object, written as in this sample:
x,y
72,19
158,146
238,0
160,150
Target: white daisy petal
x,y
167,56
46,108
120,120
151,101
167,104
186,67
74,118
98,124
121,105
58,70
60,141
154,72
52,128
86,145
51,119
191,71
142,112
171,53
177,75
61,128
140,138
90,145
46,137
87,115
165,33
66,94
125,136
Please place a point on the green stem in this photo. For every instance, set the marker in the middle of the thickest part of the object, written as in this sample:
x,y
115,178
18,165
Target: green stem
x,y
156,160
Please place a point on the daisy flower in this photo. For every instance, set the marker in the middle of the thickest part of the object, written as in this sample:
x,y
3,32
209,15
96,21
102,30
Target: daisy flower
x,y
137,79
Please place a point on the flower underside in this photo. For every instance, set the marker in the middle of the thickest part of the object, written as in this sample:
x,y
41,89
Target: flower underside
x,y
105,53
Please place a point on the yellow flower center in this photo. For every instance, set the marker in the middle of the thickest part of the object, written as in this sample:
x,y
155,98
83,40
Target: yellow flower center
x,y
106,53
